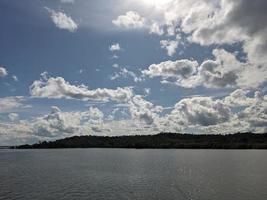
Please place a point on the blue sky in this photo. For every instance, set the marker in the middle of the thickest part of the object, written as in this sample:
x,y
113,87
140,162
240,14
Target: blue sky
x,y
131,67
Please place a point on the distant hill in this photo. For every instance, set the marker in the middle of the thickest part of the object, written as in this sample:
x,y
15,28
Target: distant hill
x,y
161,140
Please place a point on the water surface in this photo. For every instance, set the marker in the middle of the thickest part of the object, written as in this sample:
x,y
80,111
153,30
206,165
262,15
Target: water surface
x,y
133,174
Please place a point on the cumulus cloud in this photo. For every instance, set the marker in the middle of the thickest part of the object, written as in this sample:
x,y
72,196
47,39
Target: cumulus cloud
x,y
170,46
131,20
175,70
223,22
156,29
62,21
255,116
203,114
147,91
58,123
59,88
239,98
220,115
144,110
15,78
125,73
212,22
3,72
13,116
9,103
203,111
115,65
67,1
95,115
115,47
223,71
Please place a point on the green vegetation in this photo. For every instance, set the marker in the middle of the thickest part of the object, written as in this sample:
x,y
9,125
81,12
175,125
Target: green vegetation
x,y
162,140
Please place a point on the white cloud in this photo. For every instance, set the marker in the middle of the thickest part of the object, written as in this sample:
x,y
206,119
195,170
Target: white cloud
x,y
9,103
80,71
255,115
67,1
125,73
44,75
13,116
223,22
156,29
203,114
62,21
3,72
212,22
131,20
143,110
15,78
59,124
147,91
115,47
59,88
115,65
170,46
239,98
220,115
95,115
203,111
176,70
223,71
114,56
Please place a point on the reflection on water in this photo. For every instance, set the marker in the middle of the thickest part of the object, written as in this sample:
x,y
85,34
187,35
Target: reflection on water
x,y
133,174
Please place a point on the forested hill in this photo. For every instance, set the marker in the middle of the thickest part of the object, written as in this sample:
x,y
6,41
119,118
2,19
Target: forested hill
x,y
162,140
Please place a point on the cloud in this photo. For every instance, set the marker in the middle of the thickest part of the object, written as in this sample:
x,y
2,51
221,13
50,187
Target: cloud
x,y
143,110
201,111
125,73
15,78
67,1
95,115
131,20
239,98
223,22
255,116
222,71
3,72
170,46
176,70
13,116
9,103
219,115
115,47
62,21
155,29
215,23
58,123
202,114
115,65
59,88
147,91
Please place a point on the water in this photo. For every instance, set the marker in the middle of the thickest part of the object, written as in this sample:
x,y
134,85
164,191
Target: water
x,y
133,174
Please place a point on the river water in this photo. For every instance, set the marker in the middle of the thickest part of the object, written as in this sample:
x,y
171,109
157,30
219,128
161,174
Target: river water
x,y
114,174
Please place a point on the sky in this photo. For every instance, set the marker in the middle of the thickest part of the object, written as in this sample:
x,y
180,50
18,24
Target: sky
x,y
131,67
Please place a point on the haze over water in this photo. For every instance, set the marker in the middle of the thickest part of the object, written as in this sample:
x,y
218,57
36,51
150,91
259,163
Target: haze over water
x,y
133,174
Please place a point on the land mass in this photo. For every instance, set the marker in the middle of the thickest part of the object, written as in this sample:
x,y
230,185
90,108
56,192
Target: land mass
x,y
161,140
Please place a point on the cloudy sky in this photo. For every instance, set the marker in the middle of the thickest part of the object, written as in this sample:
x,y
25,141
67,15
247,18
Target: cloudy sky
x,y
120,67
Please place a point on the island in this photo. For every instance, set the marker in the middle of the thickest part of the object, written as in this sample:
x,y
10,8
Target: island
x,y
162,141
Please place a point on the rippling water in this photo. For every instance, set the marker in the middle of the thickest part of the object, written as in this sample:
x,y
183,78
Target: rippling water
x,y
133,174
